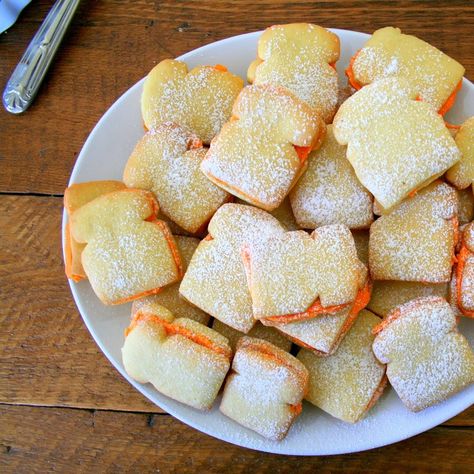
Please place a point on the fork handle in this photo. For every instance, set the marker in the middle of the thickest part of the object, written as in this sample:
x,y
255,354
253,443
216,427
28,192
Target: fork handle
x,y
29,73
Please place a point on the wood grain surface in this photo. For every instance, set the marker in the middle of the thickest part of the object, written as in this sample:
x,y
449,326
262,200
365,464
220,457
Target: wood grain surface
x,y
63,407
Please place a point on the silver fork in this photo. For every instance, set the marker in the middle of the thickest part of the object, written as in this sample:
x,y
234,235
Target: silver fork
x,y
26,79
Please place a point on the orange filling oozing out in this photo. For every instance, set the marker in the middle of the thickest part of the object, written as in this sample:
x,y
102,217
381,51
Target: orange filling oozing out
x,y
295,409
443,109
316,309
350,73
303,152
68,257
462,257
172,329
220,67
451,99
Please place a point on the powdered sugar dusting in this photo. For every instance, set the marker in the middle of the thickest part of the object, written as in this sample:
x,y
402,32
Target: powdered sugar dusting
x,y
169,297
125,255
343,384
289,272
297,57
177,366
215,280
428,359
163,163
322,333
253,157
201,99
329,191
262,388
399,248
391,53
395,143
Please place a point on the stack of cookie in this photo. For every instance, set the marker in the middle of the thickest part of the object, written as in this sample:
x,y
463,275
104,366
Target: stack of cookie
x,y
289,239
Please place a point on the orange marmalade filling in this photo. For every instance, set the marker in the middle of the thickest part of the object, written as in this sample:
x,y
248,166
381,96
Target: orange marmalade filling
x,y
68,257
350,73
220,67
316,309
173,329
265,352
303,152
357,85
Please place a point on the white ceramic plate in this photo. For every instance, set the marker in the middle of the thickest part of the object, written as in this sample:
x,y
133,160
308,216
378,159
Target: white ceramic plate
x,y
315,433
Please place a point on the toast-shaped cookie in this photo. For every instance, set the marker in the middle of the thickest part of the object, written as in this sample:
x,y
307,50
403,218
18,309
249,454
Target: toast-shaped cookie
x,y
300,57
261,152
295,276
395,143
415,242
166,161
465,272
329,191
265,388
387,295
389,53
129,254
465,205
169,296
427,359
76,196
215,280
347,384
200,99
181,358
259,331
461,174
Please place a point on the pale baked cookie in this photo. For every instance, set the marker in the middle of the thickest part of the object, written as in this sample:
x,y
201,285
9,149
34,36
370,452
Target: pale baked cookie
x,y
465,272
329,191
181,358
166,161
128,254
215,280
386,295
300,57
465,205
396,144
361,240
462,173
321,334
347,384
265,389
389,53
76,196
427,359
283,213
415,242
295,276
259,331
200,99
169,296
261,152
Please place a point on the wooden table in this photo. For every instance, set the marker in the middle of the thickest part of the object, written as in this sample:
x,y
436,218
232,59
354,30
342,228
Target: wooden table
x,y
63,406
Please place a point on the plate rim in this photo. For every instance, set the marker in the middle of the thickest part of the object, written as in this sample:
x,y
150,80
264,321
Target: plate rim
x,y
141,387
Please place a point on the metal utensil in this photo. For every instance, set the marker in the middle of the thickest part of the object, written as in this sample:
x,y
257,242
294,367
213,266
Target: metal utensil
x,y
26,79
